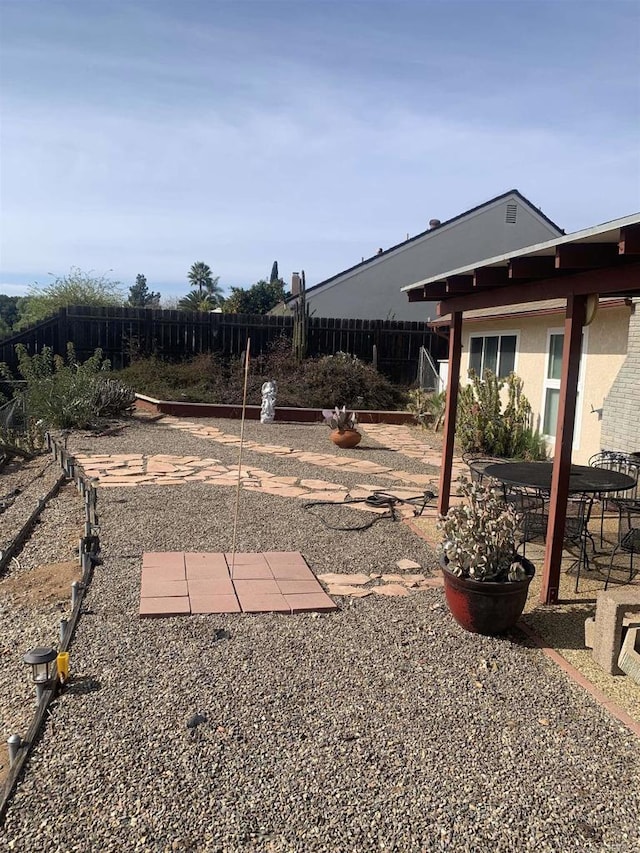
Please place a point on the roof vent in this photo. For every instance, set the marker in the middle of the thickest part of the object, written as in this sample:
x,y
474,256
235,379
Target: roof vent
x,y
511,214
434,223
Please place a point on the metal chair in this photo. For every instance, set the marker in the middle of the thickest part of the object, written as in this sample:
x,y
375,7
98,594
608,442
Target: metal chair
x,y
531,508
626,463
628,534
576,530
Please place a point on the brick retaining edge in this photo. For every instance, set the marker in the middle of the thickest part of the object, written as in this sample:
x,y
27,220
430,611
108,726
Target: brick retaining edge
x,y
283,413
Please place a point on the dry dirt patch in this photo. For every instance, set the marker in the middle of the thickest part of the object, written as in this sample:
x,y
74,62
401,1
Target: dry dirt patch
x,y
42,586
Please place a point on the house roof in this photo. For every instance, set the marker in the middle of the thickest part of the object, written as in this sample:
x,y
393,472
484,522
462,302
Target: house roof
x,y
430,232
543,271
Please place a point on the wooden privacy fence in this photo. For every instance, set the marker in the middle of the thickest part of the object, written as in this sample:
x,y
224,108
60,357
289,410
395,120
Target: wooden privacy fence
x,y
123,333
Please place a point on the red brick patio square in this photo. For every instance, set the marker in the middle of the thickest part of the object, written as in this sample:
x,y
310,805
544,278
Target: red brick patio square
x,y
164,573
214,604
256,586
163,558
174,606
207,571
264,604
251,572
318,601
154,588
292,573
291,587
210,586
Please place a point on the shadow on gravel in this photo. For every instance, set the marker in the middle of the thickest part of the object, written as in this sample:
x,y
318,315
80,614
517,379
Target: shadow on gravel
x,y
78,685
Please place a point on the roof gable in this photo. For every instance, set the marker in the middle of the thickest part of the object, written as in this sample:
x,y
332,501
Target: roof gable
x,y
431,233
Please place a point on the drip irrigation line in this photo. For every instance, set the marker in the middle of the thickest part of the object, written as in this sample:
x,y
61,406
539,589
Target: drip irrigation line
x,y
377,500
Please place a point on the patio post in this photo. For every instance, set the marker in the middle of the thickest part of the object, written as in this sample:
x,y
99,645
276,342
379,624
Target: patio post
x,y
453,383
574,321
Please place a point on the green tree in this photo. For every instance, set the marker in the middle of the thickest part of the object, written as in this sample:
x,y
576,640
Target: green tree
x,y
140,296
274,273
76,288
200,276
257,299
10,310
195,301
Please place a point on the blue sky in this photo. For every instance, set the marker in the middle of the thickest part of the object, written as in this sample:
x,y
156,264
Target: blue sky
x,y
144,135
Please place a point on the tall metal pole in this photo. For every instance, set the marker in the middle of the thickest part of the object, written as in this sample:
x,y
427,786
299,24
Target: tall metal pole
x,y
244,407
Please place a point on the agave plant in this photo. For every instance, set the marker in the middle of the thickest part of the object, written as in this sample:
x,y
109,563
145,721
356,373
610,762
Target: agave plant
x,y
340,419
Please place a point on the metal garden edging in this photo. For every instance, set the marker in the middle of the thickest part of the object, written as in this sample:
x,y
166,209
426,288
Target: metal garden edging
x,y
88,547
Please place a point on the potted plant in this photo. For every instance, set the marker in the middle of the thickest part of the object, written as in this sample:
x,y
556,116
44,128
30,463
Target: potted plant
x,y
343,427
485,580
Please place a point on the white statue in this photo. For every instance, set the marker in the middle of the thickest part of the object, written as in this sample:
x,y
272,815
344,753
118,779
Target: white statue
x,y
268,408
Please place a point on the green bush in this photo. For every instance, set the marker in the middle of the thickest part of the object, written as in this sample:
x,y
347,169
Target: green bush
x,y
482,426
65,393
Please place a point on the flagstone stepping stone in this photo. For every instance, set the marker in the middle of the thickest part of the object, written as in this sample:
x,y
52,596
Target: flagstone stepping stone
x,y
408,564
353,591
352,580
393,590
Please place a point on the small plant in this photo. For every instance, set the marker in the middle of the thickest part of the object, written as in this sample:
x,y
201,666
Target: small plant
x,y
427,407
480,537
340,419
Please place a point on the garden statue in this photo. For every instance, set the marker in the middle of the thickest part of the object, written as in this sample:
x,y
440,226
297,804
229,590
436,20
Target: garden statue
x,y
268,408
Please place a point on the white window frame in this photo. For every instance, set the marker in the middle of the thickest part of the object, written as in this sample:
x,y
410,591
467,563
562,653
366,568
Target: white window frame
x,y
501,334
555,384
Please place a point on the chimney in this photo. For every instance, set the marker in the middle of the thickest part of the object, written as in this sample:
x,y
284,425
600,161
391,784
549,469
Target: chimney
x,y
434,223
295,284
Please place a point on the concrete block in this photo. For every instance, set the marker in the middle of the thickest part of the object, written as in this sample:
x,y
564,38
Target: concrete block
x,y
629,659
611,608
589,631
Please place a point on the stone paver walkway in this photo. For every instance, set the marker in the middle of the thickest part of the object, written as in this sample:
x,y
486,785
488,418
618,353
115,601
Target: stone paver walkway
x,y
134,469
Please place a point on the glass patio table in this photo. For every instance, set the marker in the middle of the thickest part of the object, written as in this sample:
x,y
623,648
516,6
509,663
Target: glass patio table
x,y
582,479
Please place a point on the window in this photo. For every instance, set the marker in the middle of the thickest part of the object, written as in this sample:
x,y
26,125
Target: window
x,y
551,385
493,352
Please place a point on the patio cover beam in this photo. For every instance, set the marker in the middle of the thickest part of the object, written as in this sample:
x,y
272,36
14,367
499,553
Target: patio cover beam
x,y
629,240
612,280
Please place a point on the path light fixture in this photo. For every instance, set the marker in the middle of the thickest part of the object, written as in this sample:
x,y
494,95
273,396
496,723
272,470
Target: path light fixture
x,y
42,662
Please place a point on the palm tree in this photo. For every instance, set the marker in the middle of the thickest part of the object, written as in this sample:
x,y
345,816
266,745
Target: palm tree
x,y
200,276
195,301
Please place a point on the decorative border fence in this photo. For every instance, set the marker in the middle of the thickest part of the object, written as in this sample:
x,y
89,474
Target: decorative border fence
x,y
121,333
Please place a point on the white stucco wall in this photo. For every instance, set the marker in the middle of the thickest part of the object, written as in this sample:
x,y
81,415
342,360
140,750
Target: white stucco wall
x,y
373,291
606,347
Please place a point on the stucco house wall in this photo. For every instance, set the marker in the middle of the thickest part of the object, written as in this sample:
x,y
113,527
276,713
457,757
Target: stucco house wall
x,y
371,290
605,351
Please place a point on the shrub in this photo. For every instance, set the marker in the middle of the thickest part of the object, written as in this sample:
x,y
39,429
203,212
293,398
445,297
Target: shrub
x,y
482,427
321,382
67,393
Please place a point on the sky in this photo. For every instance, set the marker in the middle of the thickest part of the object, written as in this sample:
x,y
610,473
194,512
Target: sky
x,y
140,136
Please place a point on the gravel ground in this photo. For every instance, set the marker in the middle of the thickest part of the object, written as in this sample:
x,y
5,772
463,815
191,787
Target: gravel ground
x,y
382,726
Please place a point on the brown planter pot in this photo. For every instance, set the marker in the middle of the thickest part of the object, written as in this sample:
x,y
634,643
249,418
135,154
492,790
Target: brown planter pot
x,y
485,607
345,438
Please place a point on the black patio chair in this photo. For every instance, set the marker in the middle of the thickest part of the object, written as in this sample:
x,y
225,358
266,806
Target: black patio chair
x,y
576,530
626,463
628,535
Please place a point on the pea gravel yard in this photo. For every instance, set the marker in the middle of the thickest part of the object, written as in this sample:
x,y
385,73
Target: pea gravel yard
x,y
380,727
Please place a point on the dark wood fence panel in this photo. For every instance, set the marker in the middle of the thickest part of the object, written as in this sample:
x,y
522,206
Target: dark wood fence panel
x,y
123,333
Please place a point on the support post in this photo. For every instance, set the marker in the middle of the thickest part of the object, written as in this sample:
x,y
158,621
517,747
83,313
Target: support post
x,y
453,384
571,350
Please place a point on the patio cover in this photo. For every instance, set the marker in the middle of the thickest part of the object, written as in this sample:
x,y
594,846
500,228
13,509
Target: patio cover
x,y
579,267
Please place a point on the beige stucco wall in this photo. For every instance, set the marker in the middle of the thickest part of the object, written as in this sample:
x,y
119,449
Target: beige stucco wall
x,y
606,346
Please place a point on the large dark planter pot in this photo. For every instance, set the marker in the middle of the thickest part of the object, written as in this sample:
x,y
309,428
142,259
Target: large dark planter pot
x,y
345,438
486,607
